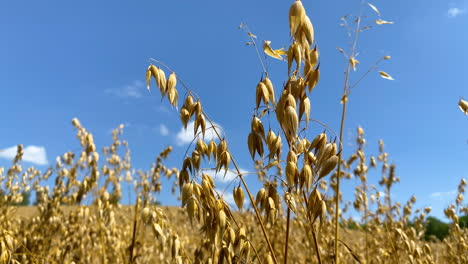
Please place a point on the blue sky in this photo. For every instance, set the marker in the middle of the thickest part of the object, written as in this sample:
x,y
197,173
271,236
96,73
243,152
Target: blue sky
x,y
87,59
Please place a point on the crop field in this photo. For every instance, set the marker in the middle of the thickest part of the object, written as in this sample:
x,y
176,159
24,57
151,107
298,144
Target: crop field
x,y
298,214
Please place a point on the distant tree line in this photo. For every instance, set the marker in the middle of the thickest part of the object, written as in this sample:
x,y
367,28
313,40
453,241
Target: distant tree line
x,y
439,229
25,201
434,228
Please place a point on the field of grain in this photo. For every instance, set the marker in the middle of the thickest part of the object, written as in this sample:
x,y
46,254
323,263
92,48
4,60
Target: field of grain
x,y
78,217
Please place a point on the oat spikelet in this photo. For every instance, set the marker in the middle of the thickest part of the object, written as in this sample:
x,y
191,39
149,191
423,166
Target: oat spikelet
x,y
306,176
261,94
308,29
291,172
291,122
173,96
148,77
463,106
187,192
290,56
313,78
290,202
212,149
239,197
271,90
161,81
305,109
171,82
261,194
297,55
251,144
297,14
184,116
202,147
328,166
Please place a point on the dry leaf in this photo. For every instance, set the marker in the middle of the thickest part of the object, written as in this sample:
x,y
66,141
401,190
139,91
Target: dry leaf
x,y
463,106
355,256
353,62
386,75
272,53
251,35
382,22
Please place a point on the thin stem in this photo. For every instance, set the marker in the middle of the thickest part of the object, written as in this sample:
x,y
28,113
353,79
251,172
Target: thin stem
x,y
325,126
365,74
366,213
317,251
343,118
257,213
389,203
28,252
256,252
255,45
248,240
287,236
316,245
338,174
135,222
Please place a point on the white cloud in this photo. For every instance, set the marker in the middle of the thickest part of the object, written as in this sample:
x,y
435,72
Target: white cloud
x,y
185,136
356,218
442,195
33,154
163,130
382,194
228,197
134,90
163,109
455,11
220,177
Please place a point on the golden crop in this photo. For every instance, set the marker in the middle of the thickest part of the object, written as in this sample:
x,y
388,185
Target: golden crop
x,y
78,218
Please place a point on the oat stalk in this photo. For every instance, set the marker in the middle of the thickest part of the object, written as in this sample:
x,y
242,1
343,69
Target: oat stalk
x,y
234,163
286,242
344,101
134,233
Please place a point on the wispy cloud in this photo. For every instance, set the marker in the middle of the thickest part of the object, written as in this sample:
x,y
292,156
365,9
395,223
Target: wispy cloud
x,y
33,154
228,197
455,11
163,130
220,177
163,109
134,90
185,136
444,195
